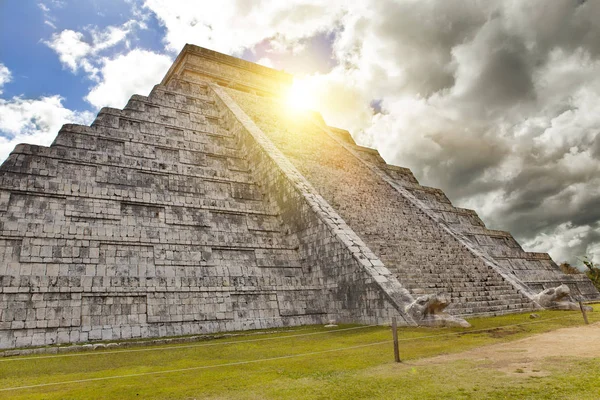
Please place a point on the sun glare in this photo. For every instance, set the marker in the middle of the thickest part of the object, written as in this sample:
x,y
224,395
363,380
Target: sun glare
x,y
299,96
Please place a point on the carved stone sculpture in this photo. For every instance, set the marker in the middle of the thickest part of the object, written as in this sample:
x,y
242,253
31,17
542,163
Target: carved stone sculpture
x,y
429,310
558,298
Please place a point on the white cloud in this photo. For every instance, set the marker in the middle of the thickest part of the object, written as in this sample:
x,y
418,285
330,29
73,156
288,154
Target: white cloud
x,y
568,243
34,121
70,47
75,51
133,73
49,19
230,25
112,35
265,61
5,76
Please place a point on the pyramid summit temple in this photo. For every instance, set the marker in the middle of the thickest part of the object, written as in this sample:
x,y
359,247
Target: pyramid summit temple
x,y
206,206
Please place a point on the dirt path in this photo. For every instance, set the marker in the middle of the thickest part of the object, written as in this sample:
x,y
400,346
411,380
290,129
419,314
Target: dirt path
x,y
526,356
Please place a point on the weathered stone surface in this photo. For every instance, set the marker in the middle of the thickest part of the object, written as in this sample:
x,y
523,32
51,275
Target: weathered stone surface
x,y
200,208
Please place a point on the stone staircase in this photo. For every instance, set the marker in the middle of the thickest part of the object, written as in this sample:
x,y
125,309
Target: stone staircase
x,y
417,250
537,270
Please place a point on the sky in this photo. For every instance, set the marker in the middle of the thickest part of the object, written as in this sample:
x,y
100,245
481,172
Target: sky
x,y
495,102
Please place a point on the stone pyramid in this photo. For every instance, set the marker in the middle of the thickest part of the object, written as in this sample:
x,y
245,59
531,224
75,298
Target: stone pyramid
x,y
207,207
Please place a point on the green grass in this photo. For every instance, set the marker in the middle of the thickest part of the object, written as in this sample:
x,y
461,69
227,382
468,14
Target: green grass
x,y
362,372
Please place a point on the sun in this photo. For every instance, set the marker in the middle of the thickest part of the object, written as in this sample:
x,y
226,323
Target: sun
x,y
299,97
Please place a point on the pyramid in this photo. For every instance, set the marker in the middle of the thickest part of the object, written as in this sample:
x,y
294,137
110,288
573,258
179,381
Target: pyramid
x,y
206,206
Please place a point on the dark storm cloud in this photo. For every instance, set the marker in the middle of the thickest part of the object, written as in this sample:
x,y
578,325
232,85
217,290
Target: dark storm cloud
x,y
505,110
429,31
466,158
565,24
528,215
499,66
595,147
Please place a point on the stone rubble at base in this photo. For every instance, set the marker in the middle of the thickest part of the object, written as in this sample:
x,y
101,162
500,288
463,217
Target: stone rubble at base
x,y
202,208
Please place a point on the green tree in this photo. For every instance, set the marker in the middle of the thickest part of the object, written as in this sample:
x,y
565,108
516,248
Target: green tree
x,y
568,269
592,272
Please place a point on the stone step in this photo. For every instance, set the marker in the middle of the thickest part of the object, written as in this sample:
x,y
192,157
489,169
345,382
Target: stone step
x,y
204,142
470,294
492,301
188,87
168,93
472,297
122,177
162,96
477,276
159,160
155,107
168,115
160,126
501,303
452,288
143,131
73,228
403,176
485,280
118,223
84,186
458,283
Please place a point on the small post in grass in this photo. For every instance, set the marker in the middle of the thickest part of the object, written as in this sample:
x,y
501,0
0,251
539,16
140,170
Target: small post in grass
x,y
395,335
583,312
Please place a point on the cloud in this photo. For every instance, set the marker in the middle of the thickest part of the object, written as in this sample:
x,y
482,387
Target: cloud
x,y
5,76
78,50
568,242
265,61
34,121
133,73
70,47
117,77
229,26
49,19
37,121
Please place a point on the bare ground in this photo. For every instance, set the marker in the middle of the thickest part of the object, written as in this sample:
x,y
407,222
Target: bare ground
x,y
526,357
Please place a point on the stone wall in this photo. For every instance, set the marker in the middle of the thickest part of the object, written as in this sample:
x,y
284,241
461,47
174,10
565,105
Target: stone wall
x,y
149,223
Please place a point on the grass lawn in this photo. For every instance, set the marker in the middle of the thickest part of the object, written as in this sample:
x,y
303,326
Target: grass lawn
x,y
306,363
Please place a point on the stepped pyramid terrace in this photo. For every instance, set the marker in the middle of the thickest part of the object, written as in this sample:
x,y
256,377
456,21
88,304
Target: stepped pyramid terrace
x,y
208,206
